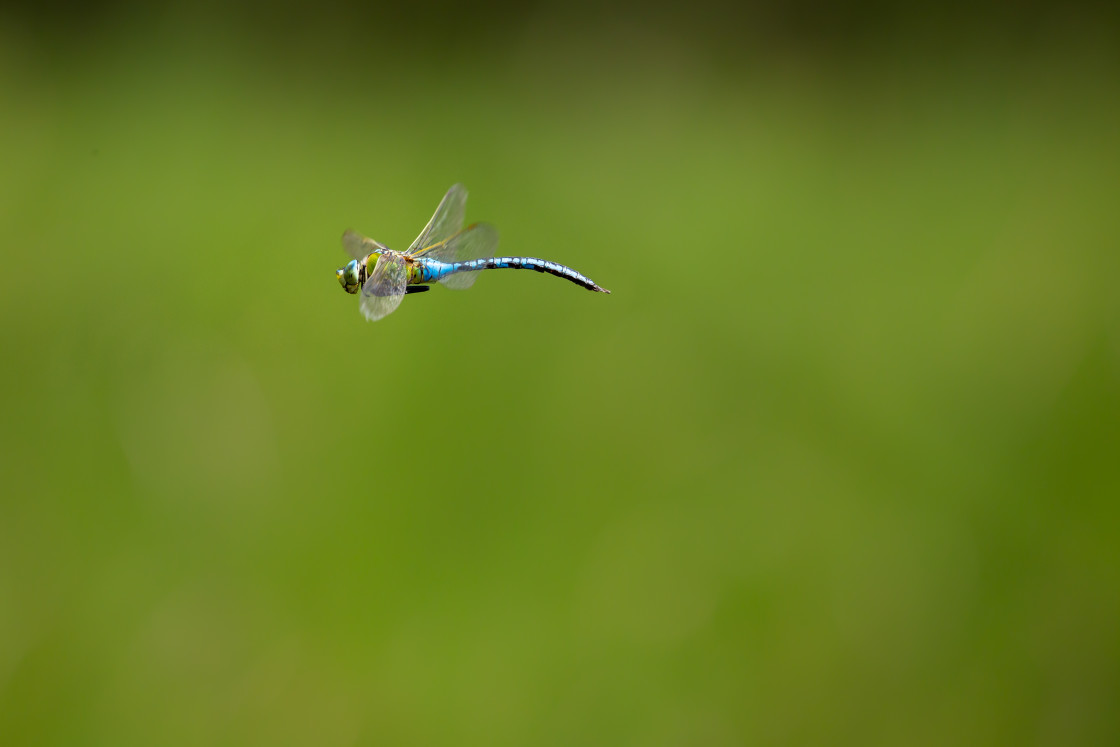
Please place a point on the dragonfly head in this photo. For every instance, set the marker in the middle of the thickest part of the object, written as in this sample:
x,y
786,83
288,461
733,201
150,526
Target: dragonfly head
x,y
349,277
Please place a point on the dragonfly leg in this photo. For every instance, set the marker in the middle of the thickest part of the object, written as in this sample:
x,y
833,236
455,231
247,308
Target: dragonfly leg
x,y
417,288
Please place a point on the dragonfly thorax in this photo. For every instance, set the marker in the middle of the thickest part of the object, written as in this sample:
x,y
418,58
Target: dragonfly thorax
x,y
350,276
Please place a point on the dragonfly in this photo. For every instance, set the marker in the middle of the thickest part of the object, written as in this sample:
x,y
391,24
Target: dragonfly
x,y
444,253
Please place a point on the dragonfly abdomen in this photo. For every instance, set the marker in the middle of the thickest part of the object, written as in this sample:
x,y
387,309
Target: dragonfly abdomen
x,y
527,263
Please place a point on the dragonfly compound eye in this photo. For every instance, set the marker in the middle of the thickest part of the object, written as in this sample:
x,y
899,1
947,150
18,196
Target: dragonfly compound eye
x,y
348,277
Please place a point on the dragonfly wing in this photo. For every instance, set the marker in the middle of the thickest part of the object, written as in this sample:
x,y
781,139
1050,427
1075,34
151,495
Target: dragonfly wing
x,y
358,246
477,241
446,221
383,291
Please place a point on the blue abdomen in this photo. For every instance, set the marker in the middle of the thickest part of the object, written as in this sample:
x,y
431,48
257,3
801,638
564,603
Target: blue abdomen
x,y
445,271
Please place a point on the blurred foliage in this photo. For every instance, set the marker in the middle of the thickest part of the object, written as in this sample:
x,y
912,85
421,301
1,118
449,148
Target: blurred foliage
x,y
834,463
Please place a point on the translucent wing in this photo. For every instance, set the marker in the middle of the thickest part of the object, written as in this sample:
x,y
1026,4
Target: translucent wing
x,y
358,246
447,220
476,241
382,293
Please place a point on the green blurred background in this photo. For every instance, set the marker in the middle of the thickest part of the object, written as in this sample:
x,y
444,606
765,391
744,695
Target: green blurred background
x,y
837,462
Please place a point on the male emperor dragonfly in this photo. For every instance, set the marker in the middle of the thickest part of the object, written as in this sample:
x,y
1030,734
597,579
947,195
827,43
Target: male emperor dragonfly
x,y
444,252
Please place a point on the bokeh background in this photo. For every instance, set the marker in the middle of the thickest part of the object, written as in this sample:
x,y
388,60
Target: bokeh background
x,y
837,462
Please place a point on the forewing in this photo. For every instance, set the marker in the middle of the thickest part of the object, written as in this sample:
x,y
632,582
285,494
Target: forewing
x,y
358,246
446,221
383,291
